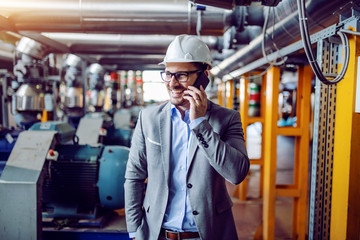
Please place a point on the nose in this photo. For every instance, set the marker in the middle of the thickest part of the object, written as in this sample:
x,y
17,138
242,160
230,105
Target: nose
x,y
173,81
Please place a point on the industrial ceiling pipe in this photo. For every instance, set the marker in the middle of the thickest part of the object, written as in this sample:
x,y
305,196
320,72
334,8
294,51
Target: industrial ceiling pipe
x,y
53,18
321,14
118,43
230,4
111,16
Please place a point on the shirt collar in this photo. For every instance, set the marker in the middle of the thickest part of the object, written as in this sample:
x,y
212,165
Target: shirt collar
x,y
176,113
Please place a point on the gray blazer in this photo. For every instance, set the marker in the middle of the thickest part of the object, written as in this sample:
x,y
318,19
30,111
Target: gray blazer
x,y
217,152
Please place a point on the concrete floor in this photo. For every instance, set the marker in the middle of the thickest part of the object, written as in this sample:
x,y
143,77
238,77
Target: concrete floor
x,y
248,214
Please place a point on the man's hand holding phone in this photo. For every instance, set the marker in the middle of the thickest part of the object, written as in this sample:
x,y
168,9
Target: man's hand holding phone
x,y
197,97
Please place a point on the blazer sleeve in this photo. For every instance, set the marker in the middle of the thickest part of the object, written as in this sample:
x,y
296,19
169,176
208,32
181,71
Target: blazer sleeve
x,y
135,177
221,139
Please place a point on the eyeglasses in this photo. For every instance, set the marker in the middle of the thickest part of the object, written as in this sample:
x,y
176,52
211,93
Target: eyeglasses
x,y
181,76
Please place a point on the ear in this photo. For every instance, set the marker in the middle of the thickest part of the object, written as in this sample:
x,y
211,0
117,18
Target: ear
x,y
207,72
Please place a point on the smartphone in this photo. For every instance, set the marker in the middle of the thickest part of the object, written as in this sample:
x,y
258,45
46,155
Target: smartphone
x,y
202,80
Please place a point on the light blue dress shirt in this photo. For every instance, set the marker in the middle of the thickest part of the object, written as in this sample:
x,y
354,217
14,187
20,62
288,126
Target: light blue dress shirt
x,y
178,214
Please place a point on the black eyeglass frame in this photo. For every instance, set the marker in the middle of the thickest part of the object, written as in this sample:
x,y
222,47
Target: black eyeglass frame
x,y
180,72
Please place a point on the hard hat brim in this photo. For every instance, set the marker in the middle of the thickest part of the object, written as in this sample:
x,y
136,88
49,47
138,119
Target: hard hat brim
x,y
183,61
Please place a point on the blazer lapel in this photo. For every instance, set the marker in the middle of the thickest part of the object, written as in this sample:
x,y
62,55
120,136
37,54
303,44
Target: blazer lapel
x,y
165,138
193,145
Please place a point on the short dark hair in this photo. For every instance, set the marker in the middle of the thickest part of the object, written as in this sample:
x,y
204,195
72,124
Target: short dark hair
x,y
201,65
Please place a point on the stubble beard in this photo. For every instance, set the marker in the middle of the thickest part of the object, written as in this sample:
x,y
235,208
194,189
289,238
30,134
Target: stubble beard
x,y
178,101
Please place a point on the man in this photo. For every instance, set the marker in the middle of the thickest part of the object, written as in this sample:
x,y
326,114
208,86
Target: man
x,y
185,149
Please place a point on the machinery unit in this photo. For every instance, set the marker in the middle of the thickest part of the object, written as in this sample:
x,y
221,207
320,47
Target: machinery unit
x,y
7,142
81,178
30,71
96,94
74,97
61,179
98,128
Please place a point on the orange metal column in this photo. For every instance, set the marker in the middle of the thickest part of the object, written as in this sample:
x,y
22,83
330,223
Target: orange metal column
x,y
262,114
301,165
241,190
297,190
272,94
220,94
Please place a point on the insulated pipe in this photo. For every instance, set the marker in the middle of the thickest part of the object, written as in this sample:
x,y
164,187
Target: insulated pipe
x,y
230,4
119,44
111,16
6,52
121,51
321,14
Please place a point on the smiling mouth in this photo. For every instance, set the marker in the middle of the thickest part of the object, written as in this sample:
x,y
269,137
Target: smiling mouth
x,y
177,93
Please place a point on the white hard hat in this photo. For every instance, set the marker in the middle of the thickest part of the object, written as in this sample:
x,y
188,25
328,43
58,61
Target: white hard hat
x,y
186,48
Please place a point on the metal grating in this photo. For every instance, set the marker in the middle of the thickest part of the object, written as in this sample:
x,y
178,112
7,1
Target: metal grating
x,y
323,145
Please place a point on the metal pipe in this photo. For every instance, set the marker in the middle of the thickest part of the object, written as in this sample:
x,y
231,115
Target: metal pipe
x,y
111,16
321,14
118,43
228,4
6,54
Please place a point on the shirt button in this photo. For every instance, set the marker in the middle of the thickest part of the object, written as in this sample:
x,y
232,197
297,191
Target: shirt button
x,y
199,135
206,146
195,213
189,185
